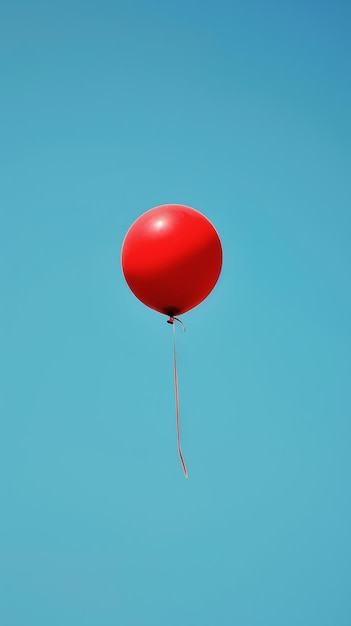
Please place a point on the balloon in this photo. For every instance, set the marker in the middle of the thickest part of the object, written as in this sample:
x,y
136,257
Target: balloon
x,y
171,258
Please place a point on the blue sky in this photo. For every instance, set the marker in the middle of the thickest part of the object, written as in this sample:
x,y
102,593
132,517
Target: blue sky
x,y
241,110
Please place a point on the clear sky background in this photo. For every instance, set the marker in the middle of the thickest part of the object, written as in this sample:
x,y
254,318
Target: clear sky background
x,y
241,110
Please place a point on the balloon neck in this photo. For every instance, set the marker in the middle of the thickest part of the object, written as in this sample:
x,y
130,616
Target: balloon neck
x,y
173,319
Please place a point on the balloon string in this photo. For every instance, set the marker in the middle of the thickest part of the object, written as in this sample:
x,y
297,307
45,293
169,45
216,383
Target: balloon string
x,y
171,321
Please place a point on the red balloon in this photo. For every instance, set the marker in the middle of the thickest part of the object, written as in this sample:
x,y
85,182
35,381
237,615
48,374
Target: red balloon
x,y
171,258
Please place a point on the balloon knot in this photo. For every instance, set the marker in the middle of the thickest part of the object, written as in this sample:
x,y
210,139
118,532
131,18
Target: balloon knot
x,y
173,319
